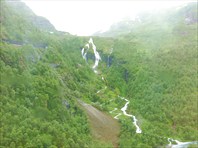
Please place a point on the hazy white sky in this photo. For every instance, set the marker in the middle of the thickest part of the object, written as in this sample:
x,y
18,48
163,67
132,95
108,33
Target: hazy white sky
x,y
84,17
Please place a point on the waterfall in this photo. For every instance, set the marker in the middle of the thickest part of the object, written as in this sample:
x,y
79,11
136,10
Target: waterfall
x,y
96,54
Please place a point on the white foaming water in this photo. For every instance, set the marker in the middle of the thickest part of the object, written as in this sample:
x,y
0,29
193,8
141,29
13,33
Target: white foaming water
x,y
123,109
138,130
180,144
97,56
87,45
82,52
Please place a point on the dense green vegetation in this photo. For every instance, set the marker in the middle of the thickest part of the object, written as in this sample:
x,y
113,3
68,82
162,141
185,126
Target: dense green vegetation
x,y
162,82
154,65
42,76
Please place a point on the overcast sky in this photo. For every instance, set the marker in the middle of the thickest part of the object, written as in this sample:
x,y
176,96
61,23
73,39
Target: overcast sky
x,y
84,17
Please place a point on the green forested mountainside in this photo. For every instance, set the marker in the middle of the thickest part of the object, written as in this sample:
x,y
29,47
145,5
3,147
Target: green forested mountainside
x,y
37,21
20,24
14,25
161,81
40,86
154,65
38,106
17,7
163,89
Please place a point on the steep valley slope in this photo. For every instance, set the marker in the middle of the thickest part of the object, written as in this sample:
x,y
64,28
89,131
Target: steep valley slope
x,y
133,86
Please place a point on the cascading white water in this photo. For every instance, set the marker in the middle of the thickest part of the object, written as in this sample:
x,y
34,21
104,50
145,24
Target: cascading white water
x,y
87,45
96,54
84,52
138,130
180,144
123,109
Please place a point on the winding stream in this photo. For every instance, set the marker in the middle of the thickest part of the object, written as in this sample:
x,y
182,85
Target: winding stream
x,y
138,130
124,108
